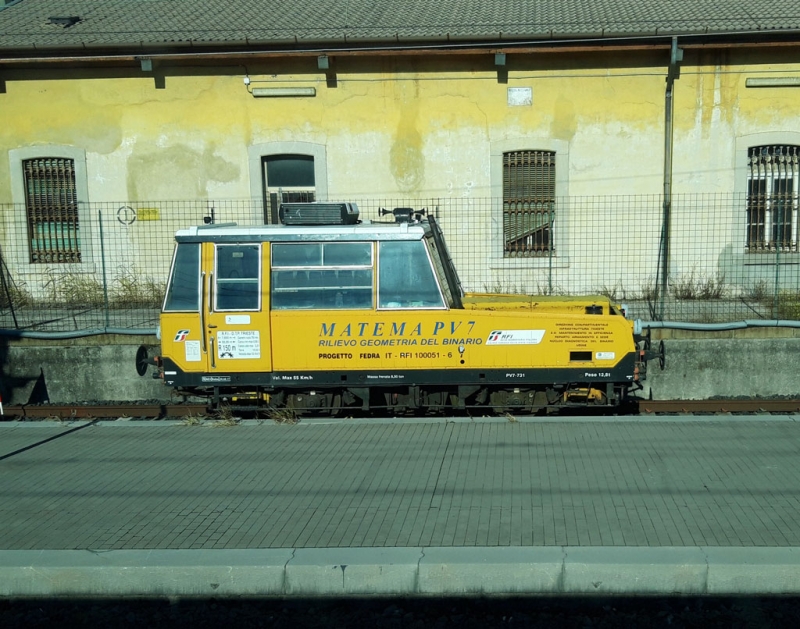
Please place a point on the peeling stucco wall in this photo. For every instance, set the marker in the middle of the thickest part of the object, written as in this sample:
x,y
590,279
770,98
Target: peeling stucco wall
x,y
423,128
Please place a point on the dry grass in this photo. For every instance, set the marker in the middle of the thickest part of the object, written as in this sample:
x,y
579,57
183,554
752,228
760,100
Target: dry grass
x,y
699,286
74,289
193,420
15,295
788,305
132,288
282,415
224,418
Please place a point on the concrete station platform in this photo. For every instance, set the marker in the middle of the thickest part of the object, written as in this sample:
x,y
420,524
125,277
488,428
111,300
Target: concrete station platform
x,y
484,506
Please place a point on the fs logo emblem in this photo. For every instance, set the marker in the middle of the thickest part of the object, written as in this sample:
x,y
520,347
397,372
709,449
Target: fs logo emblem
x,y
494,335
181,335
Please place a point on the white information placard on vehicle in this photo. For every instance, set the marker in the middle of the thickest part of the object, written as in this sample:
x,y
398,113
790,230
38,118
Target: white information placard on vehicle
x,y
192,351
244,344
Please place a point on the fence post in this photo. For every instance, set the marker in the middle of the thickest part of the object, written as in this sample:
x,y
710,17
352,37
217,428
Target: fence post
x,y
552,244
103,263
778,244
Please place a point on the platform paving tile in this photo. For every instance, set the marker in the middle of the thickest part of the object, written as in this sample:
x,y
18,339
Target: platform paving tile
x,y
437,483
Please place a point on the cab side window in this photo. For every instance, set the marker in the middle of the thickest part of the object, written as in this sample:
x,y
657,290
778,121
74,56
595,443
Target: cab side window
x,y
405,277
321,276
183,292
237,277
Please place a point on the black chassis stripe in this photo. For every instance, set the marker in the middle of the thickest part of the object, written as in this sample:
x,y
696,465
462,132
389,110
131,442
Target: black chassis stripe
x,y
622,372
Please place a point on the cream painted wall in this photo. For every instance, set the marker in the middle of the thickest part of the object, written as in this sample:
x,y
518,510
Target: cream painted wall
x,y
411,130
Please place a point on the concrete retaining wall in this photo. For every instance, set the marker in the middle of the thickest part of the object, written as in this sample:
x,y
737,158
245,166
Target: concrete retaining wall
x,y
742,363
94,368
752,363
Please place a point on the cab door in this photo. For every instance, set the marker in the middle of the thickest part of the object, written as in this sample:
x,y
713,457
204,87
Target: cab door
x,y
235,307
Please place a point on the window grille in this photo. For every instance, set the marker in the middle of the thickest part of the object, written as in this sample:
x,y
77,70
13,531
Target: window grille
x,y
772,189
52,209
529,194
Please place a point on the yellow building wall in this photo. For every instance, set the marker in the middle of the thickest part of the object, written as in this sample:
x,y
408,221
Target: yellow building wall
x,y
420,128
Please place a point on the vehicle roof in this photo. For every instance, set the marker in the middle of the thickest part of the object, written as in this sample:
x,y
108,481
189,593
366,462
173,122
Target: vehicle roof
x,y
365,231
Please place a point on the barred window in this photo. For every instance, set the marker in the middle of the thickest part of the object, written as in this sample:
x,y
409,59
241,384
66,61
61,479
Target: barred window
x,y
529,195
772,189
51,204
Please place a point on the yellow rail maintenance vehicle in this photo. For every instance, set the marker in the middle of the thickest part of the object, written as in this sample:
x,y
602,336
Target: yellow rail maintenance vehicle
x,y
321,318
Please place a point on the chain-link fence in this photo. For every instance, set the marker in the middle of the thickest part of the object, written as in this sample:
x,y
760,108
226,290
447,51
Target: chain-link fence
x,y
724,260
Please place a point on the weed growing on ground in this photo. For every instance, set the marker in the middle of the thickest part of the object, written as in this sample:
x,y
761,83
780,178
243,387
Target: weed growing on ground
x,y
74,289
703,287
224,418
15,295
134,288
758,291
282,415
614,293
503,289
193,420
788,305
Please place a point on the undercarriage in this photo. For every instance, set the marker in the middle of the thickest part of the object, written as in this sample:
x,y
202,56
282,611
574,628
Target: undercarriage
x,y
416,399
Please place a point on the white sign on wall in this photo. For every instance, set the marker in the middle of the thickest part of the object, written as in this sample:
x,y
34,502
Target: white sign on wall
x,y
520,96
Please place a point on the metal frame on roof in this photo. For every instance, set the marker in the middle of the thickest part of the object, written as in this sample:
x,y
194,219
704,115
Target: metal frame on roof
x,y
290,233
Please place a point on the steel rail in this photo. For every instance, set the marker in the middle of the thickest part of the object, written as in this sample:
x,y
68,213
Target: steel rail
x,y
719,406
98,411
165,411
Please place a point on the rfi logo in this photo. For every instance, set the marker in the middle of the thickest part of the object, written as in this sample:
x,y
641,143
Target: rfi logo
x,y
493,336
181,335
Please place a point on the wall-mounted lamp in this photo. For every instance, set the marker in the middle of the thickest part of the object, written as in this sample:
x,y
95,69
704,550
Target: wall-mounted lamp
x,y
276,92
146,64
499,58
784,81
323,63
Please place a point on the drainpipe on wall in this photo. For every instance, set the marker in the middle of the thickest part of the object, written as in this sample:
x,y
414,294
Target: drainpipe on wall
x,y
673,72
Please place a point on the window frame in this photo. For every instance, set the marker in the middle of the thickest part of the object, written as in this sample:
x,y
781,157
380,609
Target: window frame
x,y
423,246
771,171
51,210
257,153
168,293
559,257
219,280
534,201
18,230
276,285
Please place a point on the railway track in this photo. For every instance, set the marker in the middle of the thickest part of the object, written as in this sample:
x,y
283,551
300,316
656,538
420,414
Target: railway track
x,y
718,406
152,411
114,410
